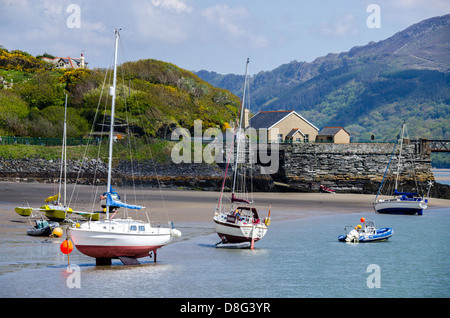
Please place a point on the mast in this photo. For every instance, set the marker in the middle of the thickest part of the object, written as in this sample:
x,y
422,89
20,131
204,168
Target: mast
x,y
65,151
238,135
63,157
112,92
400,154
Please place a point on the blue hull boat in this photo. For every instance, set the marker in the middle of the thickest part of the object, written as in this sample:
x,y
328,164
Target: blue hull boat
x,y
405,203
368,234
402,202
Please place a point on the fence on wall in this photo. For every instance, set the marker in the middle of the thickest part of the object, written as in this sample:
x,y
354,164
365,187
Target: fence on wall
x,y
44,141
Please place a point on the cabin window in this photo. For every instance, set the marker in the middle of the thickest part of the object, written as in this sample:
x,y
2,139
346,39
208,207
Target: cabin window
x,y
141,228
133,228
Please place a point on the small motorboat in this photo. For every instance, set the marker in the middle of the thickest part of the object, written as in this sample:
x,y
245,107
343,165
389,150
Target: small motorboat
x,y
367,234
324,189
42,228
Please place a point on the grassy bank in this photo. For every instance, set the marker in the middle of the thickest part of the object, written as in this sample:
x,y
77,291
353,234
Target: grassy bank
x,y
154,149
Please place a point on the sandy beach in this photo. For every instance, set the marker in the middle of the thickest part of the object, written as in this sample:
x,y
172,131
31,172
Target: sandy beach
x,y
184,206
301,256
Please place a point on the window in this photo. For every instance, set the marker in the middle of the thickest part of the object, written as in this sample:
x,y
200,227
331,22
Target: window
x,y
306,138
133,228
280,138
141,228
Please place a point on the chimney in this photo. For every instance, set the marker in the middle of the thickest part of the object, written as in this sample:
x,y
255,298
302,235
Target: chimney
x,y
82,61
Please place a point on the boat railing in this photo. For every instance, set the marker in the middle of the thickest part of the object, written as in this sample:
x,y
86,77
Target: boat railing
x,y
347,227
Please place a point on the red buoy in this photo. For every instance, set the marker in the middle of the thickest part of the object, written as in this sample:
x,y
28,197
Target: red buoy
x,y
66,247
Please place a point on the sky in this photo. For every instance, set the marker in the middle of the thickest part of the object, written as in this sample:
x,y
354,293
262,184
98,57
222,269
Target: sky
x,y
213,35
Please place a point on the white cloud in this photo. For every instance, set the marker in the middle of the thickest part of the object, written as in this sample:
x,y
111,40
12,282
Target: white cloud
x,y
52,9
196,33
341,26
228,19
177,5
174,22
39,26
154,22
235,26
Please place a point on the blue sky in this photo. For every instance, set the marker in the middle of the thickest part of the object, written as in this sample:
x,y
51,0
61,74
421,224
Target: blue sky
x,y
216,35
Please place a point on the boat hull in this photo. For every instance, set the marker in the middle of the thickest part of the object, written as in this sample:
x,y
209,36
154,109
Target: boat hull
x,y
102,241
238,233
382,234
56,212
397,206
24,211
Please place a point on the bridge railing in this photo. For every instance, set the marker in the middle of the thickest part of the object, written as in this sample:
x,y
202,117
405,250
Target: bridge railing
x,y
429,145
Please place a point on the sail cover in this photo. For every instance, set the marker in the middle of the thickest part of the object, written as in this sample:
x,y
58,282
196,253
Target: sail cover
x,y
407,194
111,201
53,198
235,199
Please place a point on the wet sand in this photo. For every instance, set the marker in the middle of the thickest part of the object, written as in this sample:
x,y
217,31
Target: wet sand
x,y
184,206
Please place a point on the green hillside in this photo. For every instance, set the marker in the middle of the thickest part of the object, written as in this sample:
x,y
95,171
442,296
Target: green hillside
x,y
153,95
379,105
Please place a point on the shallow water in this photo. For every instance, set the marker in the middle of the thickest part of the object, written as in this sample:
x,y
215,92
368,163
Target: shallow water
x,y
300,258
442,176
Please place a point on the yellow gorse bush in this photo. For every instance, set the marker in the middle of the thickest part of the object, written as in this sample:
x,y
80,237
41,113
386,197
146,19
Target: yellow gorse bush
x,y
19,61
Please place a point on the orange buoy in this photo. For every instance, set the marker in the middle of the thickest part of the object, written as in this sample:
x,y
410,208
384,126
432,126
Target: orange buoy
x,y
57,232
66,246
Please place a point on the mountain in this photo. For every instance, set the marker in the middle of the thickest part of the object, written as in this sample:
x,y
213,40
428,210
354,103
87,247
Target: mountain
x,y
369,90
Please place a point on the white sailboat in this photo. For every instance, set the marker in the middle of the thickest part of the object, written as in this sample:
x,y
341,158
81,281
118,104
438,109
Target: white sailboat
x,y
402,202
239,225
124,239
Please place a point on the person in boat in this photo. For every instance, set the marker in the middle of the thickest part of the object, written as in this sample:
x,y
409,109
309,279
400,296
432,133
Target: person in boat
x,y
56,203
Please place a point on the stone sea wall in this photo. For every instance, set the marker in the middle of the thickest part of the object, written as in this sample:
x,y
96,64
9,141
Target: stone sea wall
x,y
354,168
204,176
